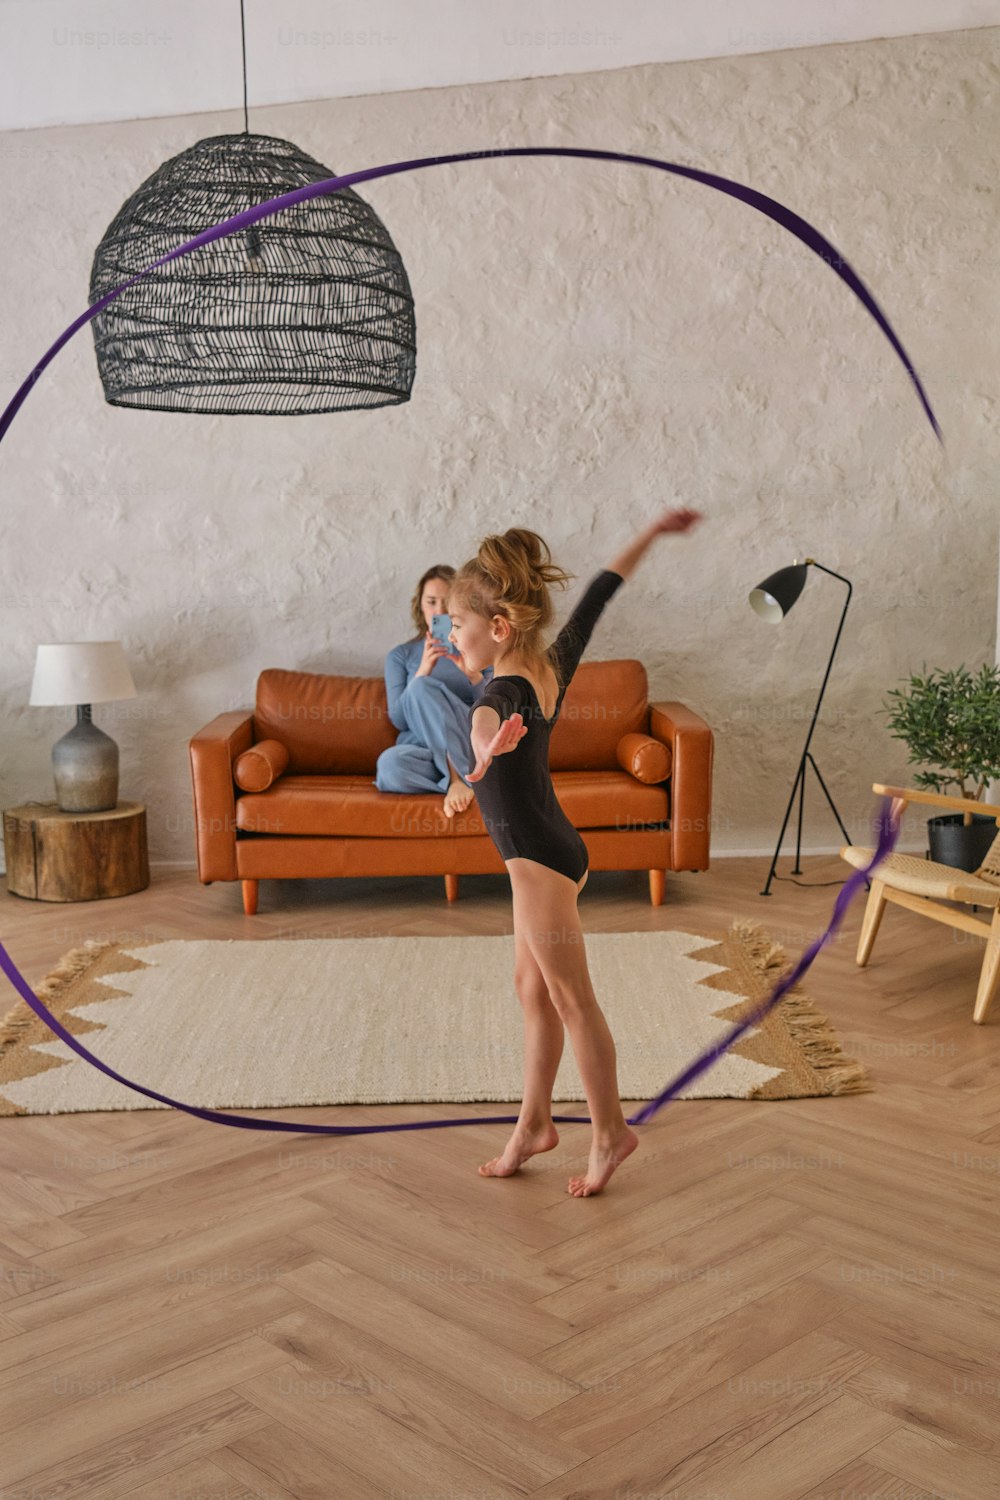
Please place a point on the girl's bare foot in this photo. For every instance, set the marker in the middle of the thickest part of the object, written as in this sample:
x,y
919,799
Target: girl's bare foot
x,y
522,1144
457,798
603,1160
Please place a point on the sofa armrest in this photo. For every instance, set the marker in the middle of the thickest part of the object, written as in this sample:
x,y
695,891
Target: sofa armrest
x,y
214,751
692,746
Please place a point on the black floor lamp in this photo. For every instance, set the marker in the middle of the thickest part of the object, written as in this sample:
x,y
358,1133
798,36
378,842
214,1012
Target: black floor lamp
x,y
772,600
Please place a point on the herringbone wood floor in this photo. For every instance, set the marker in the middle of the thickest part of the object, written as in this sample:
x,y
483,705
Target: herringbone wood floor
x,y
793,1299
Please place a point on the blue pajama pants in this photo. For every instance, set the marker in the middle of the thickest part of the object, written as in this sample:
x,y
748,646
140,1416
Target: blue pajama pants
x,y
439,728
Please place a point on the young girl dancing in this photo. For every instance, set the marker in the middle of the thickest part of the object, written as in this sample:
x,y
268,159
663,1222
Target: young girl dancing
x,y
499,604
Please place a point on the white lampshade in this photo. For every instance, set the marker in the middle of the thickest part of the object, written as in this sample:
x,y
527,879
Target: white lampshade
x,y
81,672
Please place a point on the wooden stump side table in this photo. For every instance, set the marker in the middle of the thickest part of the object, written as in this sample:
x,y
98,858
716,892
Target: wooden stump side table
x,y
75,856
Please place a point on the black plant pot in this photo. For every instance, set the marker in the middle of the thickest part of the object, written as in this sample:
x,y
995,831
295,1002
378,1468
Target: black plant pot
x,y
965,848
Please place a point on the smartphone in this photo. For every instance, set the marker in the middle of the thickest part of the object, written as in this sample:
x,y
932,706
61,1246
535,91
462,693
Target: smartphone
x,y
440,630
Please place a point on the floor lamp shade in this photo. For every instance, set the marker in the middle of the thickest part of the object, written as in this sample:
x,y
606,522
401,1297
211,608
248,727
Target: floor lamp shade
x,y
308,310
85,760
773,598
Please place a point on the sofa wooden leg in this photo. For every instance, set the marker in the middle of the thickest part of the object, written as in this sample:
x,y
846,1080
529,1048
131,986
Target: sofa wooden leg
x,y
250,896
657,886
451,887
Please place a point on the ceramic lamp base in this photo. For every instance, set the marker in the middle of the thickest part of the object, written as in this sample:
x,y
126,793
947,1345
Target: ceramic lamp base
x,y
85,767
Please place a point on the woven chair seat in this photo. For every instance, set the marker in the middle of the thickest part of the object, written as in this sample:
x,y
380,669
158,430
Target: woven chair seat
x,y
924,877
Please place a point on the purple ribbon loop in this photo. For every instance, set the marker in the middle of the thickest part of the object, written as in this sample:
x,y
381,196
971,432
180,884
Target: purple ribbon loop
x,y
889,829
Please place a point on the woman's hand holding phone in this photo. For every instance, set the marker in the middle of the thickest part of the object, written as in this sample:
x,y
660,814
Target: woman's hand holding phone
x,y
432,650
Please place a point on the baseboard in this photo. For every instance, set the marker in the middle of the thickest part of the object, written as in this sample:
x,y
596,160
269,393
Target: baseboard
x,y
918,849
830,849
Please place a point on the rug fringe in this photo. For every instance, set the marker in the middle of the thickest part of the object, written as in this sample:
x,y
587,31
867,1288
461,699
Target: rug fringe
x,y
762,949
821,1048
69,967
807,1027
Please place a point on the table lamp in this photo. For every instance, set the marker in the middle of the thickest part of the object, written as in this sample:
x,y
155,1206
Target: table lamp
x,y
85,760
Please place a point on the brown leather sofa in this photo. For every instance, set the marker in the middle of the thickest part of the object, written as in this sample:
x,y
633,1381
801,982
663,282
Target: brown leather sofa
x,y
286,791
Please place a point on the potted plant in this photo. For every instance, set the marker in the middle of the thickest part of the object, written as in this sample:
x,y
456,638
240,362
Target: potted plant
x,y
951,720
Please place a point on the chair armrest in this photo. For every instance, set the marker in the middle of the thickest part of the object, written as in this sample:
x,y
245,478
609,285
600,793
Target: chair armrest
x,y
937,799
692,746
214,751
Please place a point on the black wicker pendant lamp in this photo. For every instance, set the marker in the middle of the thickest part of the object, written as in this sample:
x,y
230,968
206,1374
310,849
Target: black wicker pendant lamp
x,y
309,310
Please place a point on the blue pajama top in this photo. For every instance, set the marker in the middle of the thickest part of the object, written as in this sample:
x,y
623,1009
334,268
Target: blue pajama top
x,y
401,665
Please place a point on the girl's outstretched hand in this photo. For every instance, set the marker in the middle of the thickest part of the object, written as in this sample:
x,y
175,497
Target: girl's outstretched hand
x,y
510,734
677,520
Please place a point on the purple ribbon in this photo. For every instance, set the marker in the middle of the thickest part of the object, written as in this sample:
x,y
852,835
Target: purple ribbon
x,y
769,206
889,827
888,832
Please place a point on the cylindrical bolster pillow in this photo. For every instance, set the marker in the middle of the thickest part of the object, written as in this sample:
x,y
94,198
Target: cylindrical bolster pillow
x,y
257,767
647,759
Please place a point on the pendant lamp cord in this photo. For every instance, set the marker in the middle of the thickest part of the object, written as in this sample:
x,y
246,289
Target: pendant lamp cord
x,y
243,34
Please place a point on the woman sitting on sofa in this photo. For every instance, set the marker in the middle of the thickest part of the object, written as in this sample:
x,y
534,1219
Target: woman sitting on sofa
x,y
429,694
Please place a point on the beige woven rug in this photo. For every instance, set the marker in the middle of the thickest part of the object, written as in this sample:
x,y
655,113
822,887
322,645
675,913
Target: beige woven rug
x,y
260,1024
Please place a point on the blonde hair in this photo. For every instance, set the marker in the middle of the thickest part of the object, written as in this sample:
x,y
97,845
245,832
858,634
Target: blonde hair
x,y
446,573
510,576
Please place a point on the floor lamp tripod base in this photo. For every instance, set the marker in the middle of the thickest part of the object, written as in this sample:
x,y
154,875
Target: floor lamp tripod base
x,y
800,787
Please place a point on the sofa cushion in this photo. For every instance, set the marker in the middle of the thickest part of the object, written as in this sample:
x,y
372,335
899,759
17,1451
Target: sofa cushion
x,y
331,726
604,700
339,726
644,758
352,807
257,767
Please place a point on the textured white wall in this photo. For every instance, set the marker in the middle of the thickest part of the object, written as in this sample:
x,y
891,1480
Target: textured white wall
x,y
596,341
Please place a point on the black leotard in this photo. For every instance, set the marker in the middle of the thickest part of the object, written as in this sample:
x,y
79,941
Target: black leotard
x,y
516,798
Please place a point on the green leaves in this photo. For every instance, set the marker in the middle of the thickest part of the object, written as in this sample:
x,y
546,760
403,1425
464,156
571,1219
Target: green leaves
x,y
950,720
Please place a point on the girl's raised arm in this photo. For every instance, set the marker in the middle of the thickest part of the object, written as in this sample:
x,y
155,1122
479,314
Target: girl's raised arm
x,y
671,520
